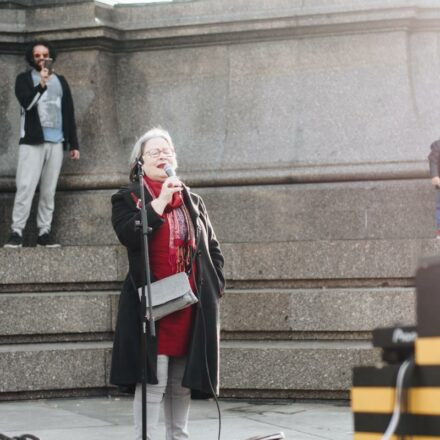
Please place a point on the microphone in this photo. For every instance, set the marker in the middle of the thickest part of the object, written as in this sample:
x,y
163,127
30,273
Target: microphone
x,y
169,170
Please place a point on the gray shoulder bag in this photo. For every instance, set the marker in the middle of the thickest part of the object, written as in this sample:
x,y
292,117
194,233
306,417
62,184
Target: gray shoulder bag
x,y
172,293
169,295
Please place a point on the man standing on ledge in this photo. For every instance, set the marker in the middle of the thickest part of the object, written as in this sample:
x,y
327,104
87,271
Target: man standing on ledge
x,y
47,127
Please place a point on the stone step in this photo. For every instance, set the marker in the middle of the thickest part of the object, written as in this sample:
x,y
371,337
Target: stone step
x,y
389,209
258,367
276,367
80,218
339,313
67,264
57,366
327,260
55,313
296,260
247,313
313,369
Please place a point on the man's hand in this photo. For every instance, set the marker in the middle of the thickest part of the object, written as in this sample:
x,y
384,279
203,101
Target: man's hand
x,y
44,76
74,155
436,181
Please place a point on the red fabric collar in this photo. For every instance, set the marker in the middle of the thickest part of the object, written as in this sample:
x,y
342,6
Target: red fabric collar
x,y
156,188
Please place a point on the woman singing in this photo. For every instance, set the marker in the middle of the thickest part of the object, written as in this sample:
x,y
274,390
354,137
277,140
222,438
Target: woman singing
x,y
184,357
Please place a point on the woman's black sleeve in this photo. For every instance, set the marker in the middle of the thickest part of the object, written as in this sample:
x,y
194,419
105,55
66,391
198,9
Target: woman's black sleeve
x,y
126,216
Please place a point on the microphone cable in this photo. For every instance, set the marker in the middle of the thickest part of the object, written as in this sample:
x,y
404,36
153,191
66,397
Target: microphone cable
x,y
407,366
205,350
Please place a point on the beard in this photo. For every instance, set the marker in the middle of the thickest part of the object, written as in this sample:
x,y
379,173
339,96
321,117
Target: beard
x,y
37,66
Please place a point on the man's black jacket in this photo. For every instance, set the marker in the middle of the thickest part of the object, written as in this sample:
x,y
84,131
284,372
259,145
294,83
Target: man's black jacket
x,y
28,96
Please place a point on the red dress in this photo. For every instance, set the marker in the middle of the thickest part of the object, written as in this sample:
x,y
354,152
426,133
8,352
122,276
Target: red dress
x,y
174,330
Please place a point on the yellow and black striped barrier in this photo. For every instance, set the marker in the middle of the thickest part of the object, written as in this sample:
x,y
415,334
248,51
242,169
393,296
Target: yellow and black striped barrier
x,y
375,390
373,398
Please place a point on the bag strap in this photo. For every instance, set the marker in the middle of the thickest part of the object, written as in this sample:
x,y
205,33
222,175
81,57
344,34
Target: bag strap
x,y
188,272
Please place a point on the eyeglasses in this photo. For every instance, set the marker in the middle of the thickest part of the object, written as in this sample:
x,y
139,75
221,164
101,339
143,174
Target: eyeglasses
x,y
156,152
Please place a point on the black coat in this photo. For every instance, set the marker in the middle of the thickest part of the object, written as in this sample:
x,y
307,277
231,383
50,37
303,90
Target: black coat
x,y
126,359
28,96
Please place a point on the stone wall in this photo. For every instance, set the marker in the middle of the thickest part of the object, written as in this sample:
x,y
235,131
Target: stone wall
x,y
251,90
304,124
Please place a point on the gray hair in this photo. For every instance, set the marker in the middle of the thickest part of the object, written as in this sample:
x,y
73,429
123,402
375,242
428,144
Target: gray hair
x,y
138,148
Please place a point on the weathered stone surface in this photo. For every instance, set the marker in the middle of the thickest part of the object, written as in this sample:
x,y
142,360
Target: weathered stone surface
x,y
309,108
80,218
351,96
292,365
114,307
276,366
57,312
327,211
316,310
272,213
313,260
9,114
59,265
53,366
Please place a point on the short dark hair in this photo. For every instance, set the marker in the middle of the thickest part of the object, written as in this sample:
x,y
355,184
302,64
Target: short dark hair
x,y
29,55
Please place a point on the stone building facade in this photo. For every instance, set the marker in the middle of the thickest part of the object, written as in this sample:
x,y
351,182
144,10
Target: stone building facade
x,y
304,124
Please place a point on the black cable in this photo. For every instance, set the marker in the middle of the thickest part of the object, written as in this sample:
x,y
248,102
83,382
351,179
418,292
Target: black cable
x,y
205,349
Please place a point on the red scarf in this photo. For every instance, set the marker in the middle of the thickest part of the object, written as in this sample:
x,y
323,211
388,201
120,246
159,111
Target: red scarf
x,y
182,237
154,187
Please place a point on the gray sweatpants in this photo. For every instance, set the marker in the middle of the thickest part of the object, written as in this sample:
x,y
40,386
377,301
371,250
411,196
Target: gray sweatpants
x,y
36,163
176,401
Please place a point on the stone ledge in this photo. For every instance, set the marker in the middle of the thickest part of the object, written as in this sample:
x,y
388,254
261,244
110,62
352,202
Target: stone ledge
x,y
336,211
339,259
254,311
56,313
292,366
287,173
53,366
316,310
70,264
199,23
81,218
299,260
245,366
332,211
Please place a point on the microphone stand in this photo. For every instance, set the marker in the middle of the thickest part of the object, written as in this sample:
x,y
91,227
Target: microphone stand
x,y
146,279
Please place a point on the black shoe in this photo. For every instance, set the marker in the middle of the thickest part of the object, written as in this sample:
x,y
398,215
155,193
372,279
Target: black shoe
x,y
47,241
15,241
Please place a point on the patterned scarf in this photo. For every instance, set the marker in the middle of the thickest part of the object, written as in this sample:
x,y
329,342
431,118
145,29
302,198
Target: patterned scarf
x,y
182,236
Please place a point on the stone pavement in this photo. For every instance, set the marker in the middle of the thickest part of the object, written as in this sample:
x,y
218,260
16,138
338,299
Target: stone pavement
x,y
111,418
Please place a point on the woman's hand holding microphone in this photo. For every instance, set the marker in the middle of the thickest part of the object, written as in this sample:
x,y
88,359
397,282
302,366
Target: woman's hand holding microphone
x,y
170,186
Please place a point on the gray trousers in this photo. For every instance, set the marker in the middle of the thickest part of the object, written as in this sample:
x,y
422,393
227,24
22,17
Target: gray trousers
x,y
36,163
176,401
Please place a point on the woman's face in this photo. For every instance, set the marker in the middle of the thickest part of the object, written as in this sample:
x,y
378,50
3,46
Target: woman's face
x,y
158,153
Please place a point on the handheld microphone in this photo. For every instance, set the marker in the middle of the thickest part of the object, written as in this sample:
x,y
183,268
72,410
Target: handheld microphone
x,y
169,170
